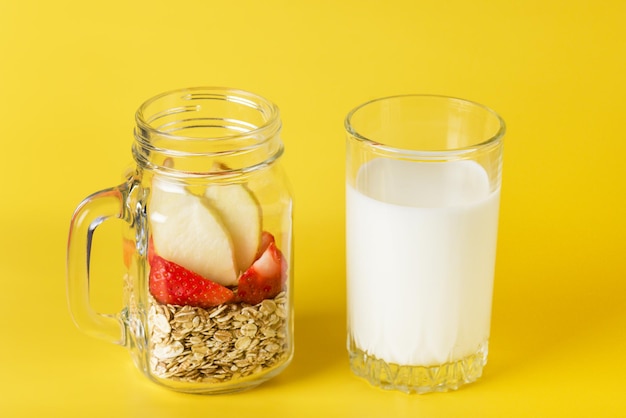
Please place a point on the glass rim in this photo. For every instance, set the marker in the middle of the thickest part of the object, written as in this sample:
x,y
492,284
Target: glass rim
x,y
388,149
252,100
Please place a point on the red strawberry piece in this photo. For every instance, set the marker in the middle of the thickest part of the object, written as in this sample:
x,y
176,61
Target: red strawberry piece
x,y
174,284
128,248
265,278
151,252
266,239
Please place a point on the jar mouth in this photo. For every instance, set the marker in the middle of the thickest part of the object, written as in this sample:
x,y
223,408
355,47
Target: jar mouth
x,y
159,114
424,127
238,127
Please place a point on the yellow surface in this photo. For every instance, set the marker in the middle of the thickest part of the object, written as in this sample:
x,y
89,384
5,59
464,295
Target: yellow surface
x,y
72,74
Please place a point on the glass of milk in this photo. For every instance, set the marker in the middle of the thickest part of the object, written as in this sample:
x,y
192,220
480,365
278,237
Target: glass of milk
x,y
423,176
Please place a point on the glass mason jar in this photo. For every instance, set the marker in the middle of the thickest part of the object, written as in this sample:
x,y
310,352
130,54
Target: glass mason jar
x,y
207,242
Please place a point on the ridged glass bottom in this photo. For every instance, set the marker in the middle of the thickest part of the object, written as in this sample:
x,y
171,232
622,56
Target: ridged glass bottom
x,y
418,379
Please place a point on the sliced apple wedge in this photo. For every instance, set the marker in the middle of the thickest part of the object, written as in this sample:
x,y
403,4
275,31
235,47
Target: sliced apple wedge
x,y
191,234
241,213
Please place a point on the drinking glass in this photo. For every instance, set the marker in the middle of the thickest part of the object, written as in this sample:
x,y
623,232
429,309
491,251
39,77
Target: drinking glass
x,y
423,177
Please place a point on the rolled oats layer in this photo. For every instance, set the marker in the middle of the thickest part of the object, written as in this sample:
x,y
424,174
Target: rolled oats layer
x,y
229,341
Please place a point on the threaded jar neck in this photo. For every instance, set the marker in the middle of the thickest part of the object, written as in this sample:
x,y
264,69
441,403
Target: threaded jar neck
x,y
206,131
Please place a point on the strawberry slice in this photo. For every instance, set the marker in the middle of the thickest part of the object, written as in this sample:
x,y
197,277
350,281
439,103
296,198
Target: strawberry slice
x,y
128,248
174,284
266,239
151,252
265,278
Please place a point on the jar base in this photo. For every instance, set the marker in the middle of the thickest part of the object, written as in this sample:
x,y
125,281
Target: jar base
x,y
233,386
418,379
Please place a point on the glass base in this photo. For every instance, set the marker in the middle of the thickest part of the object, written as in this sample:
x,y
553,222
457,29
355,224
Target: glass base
x,y
418,379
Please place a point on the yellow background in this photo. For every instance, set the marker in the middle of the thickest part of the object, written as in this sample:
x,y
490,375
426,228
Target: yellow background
x,y
72,74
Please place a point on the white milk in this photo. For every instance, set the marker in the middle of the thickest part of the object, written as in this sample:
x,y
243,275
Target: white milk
x,y
421,242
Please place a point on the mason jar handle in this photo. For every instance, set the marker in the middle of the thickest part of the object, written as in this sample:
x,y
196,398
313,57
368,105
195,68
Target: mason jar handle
x,y
92,212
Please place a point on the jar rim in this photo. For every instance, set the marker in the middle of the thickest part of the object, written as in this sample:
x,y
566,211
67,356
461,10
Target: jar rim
x,y
207,131
266,107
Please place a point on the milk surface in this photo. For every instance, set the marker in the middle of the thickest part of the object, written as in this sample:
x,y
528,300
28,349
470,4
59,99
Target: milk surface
x,y
421,242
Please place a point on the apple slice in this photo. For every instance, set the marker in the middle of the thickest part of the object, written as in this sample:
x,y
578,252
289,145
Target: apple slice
x,y
190,233
241,213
